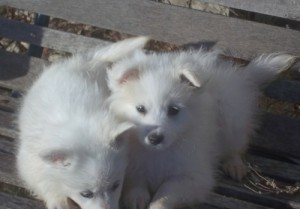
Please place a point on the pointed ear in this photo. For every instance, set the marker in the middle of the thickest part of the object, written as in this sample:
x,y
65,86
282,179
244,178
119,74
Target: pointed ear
x,y
117,78
58,158
121,49
122,134
131,74
186,76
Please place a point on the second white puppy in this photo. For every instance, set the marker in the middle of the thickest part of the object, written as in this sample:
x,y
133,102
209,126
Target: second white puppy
x,y
193,107
70,147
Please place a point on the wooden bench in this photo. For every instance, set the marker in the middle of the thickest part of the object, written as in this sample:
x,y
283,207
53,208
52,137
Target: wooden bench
x,y
275,152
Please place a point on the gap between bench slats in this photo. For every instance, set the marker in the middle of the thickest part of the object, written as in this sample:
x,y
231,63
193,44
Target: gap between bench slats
x,y
171,24
286,9
46,37
18,72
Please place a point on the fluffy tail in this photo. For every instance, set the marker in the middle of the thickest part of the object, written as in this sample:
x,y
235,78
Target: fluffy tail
x,y
264,69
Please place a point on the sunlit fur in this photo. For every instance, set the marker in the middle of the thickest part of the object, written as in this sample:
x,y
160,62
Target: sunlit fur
x,y
218,110
68,141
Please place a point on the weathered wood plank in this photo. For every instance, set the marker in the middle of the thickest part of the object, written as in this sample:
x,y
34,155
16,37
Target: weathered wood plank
x,y
278,135
275,169
286,90
14,202
237,190
281,8
222,201
47,37
171,24
18,72
7,120
8,173
7,146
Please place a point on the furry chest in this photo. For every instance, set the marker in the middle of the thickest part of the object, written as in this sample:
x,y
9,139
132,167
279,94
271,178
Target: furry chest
x,y
155,166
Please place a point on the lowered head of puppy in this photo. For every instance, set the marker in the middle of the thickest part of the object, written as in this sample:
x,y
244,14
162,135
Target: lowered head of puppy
x,y
70,146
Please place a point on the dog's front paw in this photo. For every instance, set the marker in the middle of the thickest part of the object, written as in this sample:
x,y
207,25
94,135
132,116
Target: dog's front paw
x,y
136,198
235,167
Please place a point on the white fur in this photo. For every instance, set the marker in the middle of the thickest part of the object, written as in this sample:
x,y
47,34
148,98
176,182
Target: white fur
x,y
69,143
217,103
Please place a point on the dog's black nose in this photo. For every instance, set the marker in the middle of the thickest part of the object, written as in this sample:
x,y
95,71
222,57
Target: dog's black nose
x,y
155,138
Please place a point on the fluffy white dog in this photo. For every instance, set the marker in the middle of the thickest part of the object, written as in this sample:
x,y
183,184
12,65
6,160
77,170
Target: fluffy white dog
x,y
70,147
193,107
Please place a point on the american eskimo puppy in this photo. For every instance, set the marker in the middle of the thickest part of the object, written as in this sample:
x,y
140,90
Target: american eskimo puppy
x,y
193,107
70,147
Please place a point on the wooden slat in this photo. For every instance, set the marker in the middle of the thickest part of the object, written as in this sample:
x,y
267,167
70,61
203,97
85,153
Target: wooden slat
x,y
8,172
281,8
47,37
237,190
278,135
286,90
14,202
18,72
222,201
171,24
275,169
7,146
7,120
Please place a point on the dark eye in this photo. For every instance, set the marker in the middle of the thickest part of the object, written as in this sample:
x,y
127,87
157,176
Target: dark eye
x,y
173,110
87,194
141,109
115,186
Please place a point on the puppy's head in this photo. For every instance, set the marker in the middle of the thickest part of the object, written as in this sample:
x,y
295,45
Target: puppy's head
x,y
155,92
90,169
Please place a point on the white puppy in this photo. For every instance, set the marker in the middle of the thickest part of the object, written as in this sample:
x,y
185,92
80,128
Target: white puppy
x,y
70,147
192,107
